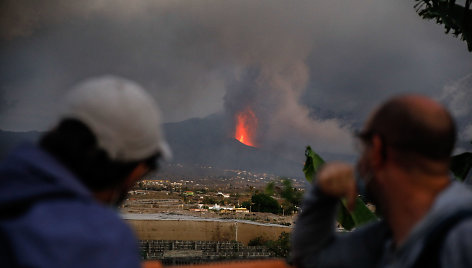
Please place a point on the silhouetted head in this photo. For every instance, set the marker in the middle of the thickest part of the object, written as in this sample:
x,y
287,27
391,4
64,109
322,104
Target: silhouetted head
x,y
414,128
108,127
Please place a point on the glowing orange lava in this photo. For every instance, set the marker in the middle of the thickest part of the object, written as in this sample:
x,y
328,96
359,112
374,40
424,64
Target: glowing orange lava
x,y
246,125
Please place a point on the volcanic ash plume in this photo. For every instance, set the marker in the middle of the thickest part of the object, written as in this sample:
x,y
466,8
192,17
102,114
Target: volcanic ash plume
x,y
268,99
186,53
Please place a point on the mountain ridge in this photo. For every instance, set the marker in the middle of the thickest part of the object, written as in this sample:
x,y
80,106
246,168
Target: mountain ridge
x,y
202,141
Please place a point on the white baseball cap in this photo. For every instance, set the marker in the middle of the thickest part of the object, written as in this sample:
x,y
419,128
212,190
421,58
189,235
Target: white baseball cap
x,y
124,118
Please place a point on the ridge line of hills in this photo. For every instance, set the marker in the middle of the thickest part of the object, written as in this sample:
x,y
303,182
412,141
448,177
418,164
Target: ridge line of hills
x,y
200,142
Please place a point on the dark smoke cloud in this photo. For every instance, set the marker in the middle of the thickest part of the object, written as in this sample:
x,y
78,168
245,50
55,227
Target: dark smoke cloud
x,y
458,97
273,93
311,69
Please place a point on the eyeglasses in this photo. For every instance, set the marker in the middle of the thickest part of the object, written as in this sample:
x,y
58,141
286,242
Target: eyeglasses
x,y
364,135
152,163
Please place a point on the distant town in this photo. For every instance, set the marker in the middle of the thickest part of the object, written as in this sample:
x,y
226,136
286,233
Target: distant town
x,y
229,195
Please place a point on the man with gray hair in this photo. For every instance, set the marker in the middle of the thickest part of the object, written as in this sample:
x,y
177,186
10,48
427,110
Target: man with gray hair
x,y
57,198
404,170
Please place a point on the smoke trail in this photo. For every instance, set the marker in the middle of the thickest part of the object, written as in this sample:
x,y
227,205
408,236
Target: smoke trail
x,y
273,93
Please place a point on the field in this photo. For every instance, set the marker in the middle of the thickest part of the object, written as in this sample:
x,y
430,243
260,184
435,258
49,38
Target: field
x,y
205,230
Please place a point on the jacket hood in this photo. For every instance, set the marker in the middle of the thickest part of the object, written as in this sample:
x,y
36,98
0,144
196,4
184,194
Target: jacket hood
x,y
29,173
455,198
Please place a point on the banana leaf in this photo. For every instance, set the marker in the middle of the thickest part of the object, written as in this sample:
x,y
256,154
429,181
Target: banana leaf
x,y
313,163
348,220
461,165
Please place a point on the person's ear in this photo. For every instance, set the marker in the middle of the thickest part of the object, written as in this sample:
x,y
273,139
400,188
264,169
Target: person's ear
x,y
138,172
378,151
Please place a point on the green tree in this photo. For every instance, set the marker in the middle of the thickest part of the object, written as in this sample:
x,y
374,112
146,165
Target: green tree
x,y
269,190
247,204
288,208
209,200
257,241
291,194
455,17
458,19
264,203
281,246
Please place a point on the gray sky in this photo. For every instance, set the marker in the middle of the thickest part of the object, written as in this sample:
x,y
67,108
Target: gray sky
x,y
312,70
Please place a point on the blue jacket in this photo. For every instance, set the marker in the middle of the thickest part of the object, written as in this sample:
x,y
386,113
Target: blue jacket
x,y
49,219
316,244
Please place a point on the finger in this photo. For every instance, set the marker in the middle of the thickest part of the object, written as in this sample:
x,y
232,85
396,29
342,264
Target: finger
x,y
336,179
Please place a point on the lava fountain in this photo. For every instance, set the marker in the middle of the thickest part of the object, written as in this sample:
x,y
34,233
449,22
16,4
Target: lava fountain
x,y
246,126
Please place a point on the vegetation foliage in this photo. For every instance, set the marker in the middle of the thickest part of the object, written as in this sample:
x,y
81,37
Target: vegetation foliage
x,y
265,201
262,202
348,220
280,247
461,165
456,18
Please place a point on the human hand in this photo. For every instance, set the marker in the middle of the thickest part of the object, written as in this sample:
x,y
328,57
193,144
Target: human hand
x,y
337,180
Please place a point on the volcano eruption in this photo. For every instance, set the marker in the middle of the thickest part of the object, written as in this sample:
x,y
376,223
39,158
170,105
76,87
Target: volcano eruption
x,y
246,126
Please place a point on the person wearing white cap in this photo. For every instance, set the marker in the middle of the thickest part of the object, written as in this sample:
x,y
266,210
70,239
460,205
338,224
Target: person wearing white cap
x,y
55,198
